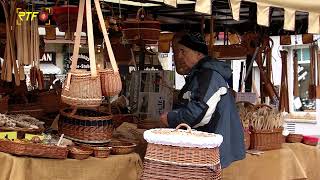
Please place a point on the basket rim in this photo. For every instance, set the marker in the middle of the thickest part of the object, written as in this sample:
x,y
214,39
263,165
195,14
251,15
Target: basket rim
x,y
85,118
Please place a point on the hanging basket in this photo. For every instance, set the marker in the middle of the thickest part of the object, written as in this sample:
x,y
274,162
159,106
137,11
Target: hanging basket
x,y
135,30
83,91
165,42
110,82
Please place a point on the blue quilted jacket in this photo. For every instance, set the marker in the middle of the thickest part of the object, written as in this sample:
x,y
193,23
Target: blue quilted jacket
x,y
208,105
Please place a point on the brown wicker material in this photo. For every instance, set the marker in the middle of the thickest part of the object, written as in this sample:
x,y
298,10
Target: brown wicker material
x,y
84,90
31,149
247,139
294,138
233,51
161,171
80,153
119,148
87,126
183,156
101,152
258,106
22,131
50,32
266,139
33,109
110,82
4,104
135,30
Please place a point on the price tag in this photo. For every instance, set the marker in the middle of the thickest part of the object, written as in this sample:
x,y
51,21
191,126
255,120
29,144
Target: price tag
x,y
30,136
8,135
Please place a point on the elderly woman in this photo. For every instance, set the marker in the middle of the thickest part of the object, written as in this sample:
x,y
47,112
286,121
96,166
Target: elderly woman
x,y
207,104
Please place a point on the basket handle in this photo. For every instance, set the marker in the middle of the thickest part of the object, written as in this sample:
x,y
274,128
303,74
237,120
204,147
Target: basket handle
x,y
76,46
141,11
93,66
184,125
258,106
106,37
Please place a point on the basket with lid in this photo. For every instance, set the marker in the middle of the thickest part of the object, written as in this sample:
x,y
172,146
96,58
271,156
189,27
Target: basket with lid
x,y
182,154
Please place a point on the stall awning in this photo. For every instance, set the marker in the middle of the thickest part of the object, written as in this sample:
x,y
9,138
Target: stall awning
x,y
312,7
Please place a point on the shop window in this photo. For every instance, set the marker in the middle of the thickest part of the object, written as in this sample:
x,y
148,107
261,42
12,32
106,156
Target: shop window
x,y
305,104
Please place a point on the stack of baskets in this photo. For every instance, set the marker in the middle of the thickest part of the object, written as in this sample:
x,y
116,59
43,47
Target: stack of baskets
x,y
182,154
88,126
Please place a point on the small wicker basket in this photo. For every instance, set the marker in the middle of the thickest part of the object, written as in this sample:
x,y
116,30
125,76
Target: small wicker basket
x,y
80,153
294,138
101,152
119,148
266,139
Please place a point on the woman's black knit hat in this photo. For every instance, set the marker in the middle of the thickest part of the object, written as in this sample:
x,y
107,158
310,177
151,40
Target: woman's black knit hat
x,y
195,42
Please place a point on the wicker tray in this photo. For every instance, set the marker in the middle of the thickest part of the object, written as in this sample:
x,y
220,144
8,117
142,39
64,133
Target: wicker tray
x,y
101,152
266,139
80,153
35,150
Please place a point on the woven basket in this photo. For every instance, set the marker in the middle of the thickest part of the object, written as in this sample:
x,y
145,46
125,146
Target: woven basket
x,y
163,171
31,149
110,82
4,104
80,153
50,32
180,161
165,42
101,152
119,148
83,90
86,126
266,139
135,30
294,138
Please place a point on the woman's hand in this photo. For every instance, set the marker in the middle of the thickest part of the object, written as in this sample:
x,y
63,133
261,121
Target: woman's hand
x,y
164,119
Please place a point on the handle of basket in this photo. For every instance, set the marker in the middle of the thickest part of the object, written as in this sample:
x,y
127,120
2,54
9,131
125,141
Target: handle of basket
x,y
106,37
93,66
76,46
141,10
261,106
184,125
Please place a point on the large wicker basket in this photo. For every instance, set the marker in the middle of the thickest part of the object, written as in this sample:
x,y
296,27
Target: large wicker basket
x,y
88,126
83,91
166,159
266,139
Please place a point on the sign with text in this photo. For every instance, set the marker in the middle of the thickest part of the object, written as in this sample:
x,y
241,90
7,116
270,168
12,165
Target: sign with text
x,y
48,58
83,61
30,15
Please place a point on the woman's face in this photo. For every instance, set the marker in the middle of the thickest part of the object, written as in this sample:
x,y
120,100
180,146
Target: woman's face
x,y
184,58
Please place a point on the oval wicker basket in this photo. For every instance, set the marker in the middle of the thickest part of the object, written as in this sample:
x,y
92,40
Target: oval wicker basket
x,y
110,82
101,152
294,138
84,90
119,148
310,140
84,125
80,153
